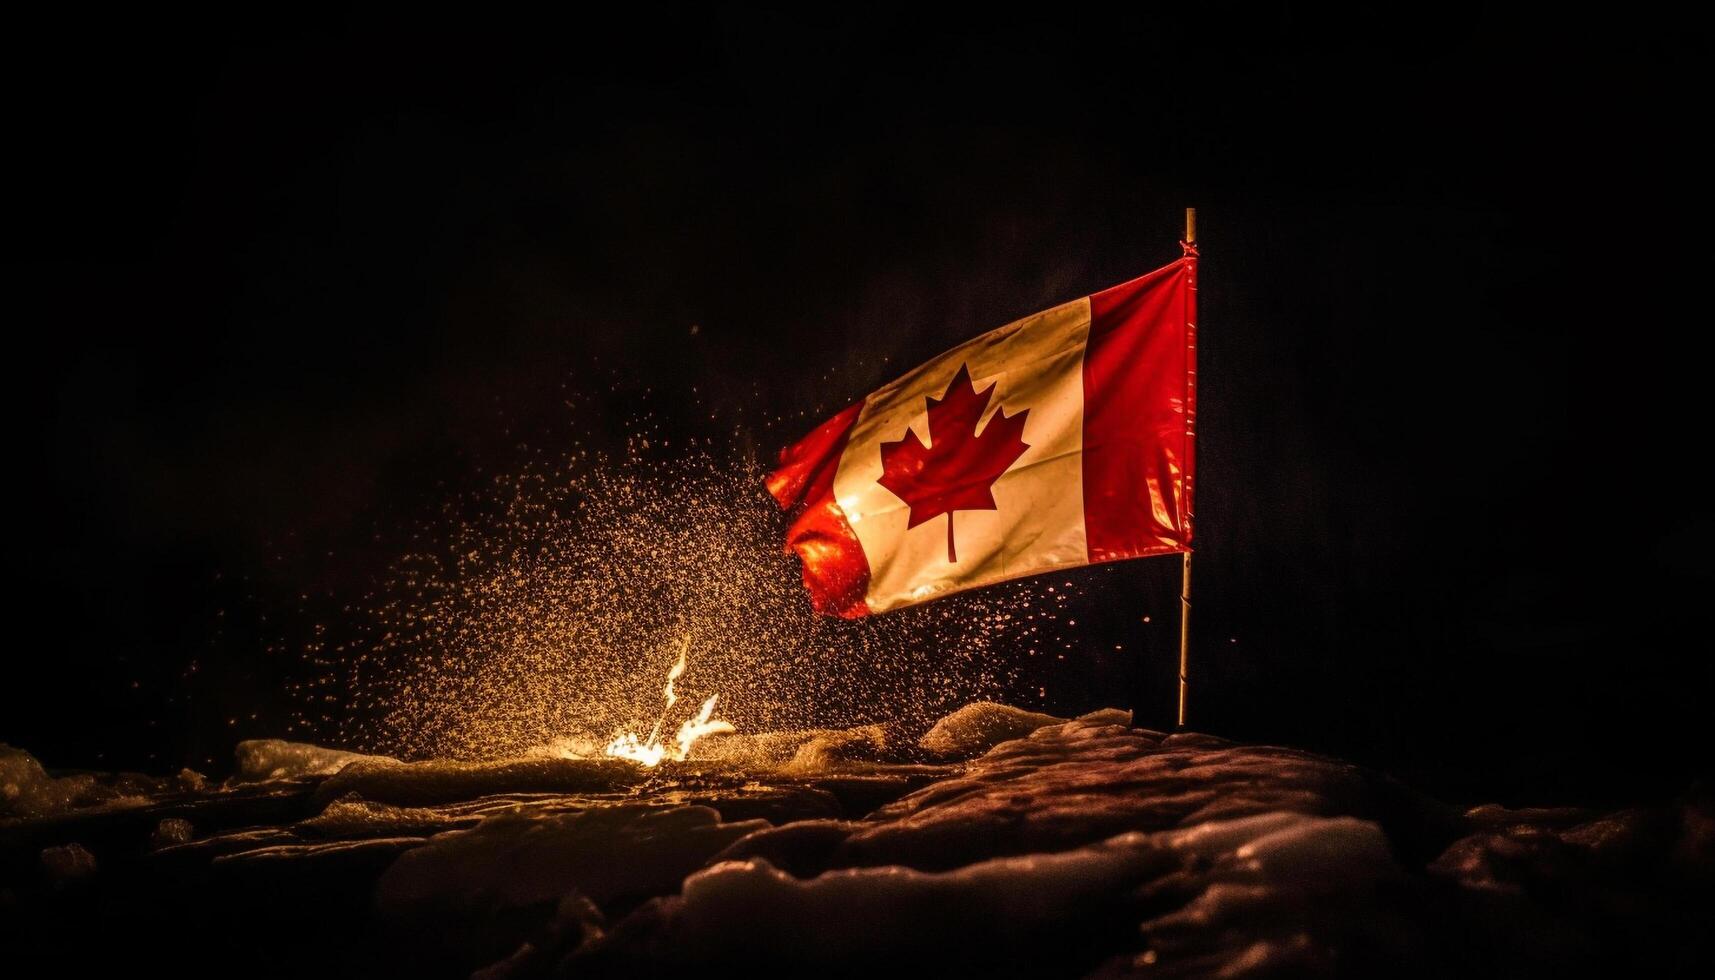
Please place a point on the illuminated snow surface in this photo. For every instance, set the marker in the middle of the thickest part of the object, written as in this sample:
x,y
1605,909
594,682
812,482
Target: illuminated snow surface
x,y
998,842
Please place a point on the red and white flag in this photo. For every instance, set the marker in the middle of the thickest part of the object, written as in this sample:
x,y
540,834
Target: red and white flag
x,y
1062,439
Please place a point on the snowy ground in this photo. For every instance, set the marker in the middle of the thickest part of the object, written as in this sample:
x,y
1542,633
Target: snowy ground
x,y
998,842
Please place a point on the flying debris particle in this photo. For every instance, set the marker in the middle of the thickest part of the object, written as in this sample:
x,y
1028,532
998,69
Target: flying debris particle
x,y
534,609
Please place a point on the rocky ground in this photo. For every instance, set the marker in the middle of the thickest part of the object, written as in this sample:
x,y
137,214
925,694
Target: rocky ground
x,y
999,842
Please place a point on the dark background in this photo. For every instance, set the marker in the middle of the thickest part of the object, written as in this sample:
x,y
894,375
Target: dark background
x,y
279,285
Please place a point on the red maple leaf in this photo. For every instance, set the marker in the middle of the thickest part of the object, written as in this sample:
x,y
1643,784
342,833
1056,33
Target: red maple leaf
x,y
957,470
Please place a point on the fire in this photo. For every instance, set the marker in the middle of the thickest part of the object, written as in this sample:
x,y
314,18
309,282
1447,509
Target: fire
x,y
651,751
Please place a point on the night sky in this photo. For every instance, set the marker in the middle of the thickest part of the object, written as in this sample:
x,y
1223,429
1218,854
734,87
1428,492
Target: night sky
x,y
284,284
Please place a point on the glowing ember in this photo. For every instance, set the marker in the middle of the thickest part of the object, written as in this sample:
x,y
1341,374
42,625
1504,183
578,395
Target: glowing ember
x,y
649,752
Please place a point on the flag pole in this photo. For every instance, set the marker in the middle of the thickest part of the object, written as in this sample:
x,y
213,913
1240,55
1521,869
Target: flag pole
x,y
1184,627
1185,556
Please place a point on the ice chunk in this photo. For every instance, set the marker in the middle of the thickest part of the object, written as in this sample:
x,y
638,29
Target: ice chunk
x,y
273,758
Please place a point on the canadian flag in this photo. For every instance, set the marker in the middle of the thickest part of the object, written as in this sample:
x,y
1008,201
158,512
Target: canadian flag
x,y
1062,439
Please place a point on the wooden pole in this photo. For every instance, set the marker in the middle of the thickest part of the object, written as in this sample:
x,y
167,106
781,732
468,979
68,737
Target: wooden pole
x,y
1184,629
1185,567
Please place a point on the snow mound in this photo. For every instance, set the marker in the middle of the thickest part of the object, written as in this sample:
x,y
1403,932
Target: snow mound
x,y
566,747
1301,895
964,734
272,758
750,750
521,859
446,781
738,908
827,750
1072,784
27,790
976,728
1252,876
1106,716
755,750
353,816
1193,855
1082,847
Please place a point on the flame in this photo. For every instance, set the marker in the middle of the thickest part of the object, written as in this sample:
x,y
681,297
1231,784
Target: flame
x,y
651,752
674,672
